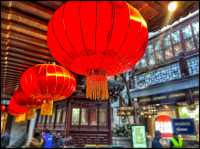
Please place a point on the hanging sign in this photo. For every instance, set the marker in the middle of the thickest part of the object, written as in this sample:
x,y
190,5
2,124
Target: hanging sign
x,y
138,136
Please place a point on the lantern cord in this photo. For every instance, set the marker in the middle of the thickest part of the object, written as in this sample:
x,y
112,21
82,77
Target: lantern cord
x,y
97,87
47,108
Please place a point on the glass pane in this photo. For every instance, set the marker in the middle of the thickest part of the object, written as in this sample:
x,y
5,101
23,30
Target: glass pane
x,y
75,116
63,116
93,117
157,45
150,48
151,59
58,116
177,49
166,41
53,117
43,119
102,117
175,37
48,119
189,44
168,53
84,116
143,62
197,40
195,26
187,32
39,119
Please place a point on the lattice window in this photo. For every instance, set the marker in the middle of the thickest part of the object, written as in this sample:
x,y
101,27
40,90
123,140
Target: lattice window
x,y
193,65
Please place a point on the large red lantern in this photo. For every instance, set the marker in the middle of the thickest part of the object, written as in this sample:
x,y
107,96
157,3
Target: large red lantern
x,y
97,39
47,82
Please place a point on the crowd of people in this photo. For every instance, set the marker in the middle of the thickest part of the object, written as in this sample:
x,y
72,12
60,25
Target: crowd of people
x,y
46,139
175,142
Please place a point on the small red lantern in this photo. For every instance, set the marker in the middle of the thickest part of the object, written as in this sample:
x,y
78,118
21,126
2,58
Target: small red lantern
x,y
24,100
16,109
97,39
47,83
3,108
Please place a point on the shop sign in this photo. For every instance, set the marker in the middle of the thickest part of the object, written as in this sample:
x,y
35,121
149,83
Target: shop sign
x,y
183,126
138,135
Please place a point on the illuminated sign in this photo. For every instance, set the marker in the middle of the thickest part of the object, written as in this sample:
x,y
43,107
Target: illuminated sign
x,y
138,136
163,123
184,126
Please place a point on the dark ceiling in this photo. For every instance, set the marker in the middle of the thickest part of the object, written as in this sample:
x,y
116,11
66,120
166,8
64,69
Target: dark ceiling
x,y
24,29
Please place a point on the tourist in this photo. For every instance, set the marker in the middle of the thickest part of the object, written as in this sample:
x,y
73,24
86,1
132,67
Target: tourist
x,y
156,141
48,139
37,141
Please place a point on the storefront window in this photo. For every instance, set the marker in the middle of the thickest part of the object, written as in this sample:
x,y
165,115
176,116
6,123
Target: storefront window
x,y
167,48
195,26
102,117
188,39
84,116
158,51
75,116
93,117
176,40
150,54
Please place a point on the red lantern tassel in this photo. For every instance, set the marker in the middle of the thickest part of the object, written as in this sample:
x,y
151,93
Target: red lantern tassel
x,y
97,87
20,118
47,108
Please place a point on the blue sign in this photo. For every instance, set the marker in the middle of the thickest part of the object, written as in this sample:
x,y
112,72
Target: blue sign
x,y
183,126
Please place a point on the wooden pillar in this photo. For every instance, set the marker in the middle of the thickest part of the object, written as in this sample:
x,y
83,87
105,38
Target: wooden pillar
x,y
68,118
109,123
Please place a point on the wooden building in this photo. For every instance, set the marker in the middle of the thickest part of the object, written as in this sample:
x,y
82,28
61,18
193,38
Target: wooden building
x,y
85,121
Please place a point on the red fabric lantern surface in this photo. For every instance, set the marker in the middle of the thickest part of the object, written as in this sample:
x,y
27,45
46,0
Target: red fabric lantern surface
x,y
97,39
47,82
16,109
24,100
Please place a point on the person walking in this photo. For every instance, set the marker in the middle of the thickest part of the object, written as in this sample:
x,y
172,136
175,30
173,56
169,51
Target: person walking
x,y
37,141
48,139
156,141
